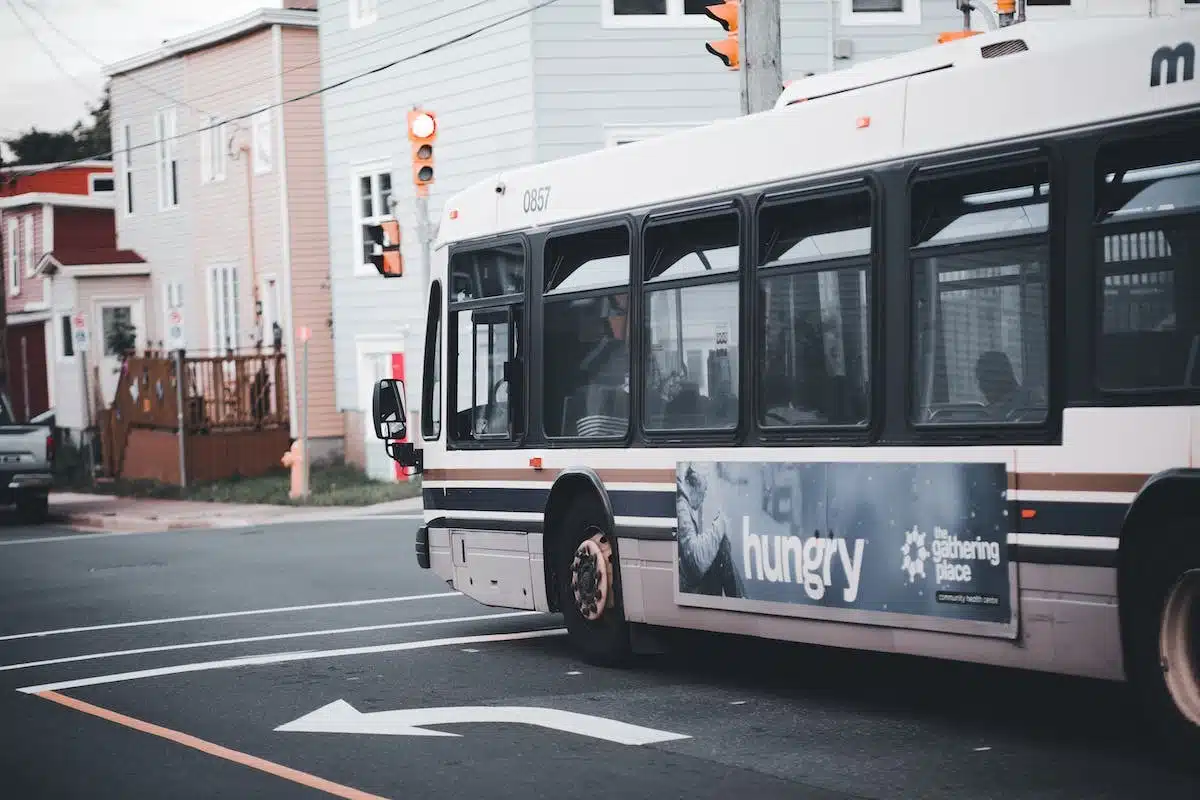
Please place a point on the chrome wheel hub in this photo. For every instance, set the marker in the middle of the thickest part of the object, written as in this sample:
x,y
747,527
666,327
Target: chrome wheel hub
x,y
591,576
1179,645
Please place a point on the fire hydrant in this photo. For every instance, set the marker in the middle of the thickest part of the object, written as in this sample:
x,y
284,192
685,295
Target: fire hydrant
x,y
293,459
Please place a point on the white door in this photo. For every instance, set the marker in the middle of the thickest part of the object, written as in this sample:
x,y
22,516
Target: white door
x,y
118,318
375,361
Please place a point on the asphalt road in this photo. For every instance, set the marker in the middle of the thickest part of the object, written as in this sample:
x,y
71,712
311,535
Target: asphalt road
x,y
344,622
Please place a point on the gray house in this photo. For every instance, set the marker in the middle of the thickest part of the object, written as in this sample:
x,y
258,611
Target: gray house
x,y
542,82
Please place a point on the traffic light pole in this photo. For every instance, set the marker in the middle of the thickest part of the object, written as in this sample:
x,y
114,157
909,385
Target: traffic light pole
x,y
761,69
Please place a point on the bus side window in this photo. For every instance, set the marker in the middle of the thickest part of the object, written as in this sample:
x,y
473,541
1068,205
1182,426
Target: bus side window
x,y
980,263
1147,284
692,315
814,259
585,334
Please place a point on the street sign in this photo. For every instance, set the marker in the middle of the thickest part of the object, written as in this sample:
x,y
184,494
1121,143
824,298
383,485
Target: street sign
x,y
341,717
175,330
305,333
79,331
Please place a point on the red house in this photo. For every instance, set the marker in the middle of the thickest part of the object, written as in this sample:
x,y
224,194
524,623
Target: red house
x,y
51,214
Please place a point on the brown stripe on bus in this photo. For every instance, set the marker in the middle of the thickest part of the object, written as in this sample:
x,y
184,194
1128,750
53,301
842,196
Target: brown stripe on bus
x,y
1041,481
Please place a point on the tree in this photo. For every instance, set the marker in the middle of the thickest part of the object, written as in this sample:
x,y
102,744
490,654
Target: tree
x,y
83,140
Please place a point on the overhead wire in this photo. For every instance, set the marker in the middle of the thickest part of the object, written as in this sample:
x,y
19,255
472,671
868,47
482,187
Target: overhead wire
x,y
37,39
358,47
102,63
315,92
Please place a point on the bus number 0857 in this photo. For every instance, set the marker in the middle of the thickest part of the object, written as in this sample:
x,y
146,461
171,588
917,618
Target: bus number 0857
x,y
536,199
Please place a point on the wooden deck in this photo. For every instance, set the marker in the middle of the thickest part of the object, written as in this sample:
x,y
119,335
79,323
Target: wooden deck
x,y
235,418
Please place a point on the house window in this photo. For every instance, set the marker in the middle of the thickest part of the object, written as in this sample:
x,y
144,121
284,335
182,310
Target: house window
x,y
67,335
262,141
101,183
13,267
654,13
212,152
372,205
165,130
363,12
864,13
126,145
223,308
30,251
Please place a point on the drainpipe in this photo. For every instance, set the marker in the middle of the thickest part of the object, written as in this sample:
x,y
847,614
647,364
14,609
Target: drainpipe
x,y
244,148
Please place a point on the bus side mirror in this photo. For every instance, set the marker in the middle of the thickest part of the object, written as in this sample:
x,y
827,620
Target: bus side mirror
x,y
387,408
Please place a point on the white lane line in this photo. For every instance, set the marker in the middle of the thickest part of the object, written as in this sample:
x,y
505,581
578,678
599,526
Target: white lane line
x,y
226,614
83,537
281,658
271,638
370,517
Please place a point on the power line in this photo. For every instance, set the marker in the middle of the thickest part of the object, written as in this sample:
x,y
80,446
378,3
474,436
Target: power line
x,y
46,49
100,62
315,92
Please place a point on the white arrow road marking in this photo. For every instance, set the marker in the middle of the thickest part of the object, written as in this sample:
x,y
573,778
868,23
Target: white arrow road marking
x,y
341,717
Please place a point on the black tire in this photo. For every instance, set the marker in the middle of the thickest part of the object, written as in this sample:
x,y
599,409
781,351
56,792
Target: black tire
x,y
1178,734
605,641
34,508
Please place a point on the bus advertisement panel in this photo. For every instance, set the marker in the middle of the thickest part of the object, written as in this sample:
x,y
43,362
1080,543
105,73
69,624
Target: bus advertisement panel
x,y
915,539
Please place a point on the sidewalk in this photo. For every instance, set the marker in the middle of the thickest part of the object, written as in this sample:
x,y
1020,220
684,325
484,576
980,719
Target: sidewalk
x,y
100,512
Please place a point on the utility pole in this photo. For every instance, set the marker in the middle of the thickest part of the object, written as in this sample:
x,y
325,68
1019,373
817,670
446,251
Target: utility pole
x,y
761,67
752,47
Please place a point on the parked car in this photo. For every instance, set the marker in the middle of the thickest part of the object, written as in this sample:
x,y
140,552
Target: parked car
x,y
26,462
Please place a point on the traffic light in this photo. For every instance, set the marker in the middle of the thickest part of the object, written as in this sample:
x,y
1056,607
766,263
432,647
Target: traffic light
x,y
422,132
383,243
726,13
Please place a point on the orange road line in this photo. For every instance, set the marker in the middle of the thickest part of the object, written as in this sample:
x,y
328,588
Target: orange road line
x,y
287,773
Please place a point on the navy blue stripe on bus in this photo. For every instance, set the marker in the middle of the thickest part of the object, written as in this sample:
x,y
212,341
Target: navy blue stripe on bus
x,y
1068,518
1073,518
1062,556
533,500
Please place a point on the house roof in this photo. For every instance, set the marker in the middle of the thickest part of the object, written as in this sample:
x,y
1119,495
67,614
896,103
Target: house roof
x,y
248,23
80,261
101,201
19,169
99,255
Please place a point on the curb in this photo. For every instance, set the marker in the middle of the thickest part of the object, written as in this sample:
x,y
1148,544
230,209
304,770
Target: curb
x,y
130,524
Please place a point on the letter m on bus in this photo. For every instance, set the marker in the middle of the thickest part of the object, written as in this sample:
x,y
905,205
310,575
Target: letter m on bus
x,y
1168,60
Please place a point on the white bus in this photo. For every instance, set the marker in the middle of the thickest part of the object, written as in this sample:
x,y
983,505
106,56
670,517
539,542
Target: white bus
x,y
909,363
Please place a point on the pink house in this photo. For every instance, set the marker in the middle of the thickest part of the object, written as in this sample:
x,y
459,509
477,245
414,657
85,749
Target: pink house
x,y
221,187
59,247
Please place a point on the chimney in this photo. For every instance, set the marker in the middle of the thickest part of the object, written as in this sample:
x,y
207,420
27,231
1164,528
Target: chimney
x,y
300,5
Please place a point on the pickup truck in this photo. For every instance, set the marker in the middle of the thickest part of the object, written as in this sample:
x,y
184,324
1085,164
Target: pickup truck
x,y
26,463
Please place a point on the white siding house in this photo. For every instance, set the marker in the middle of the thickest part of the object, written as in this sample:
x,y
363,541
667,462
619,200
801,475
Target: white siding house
x,y
566,78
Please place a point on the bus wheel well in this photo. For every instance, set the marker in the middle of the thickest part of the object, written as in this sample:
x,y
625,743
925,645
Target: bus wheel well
x,y
1164,502
1157,564
566,490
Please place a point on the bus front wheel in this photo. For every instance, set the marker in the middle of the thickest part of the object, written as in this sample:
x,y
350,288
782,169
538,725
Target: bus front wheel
x,y
589,584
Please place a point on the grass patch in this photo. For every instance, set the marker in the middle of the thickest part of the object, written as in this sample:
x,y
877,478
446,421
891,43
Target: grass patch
x,y
330,485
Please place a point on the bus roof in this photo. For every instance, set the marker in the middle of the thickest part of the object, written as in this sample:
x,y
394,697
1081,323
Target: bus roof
x,y
1003,85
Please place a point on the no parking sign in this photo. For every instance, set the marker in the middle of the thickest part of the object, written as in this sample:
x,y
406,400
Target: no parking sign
x,y
175,338
79,331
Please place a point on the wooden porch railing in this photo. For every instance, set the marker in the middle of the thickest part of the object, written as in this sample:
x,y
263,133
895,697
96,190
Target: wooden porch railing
x,y
241,399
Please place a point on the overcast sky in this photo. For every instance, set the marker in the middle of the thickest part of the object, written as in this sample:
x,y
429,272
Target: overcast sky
x,y
34,91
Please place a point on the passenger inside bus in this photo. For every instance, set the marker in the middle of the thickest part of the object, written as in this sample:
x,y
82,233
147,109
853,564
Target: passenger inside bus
x,y
1006,398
